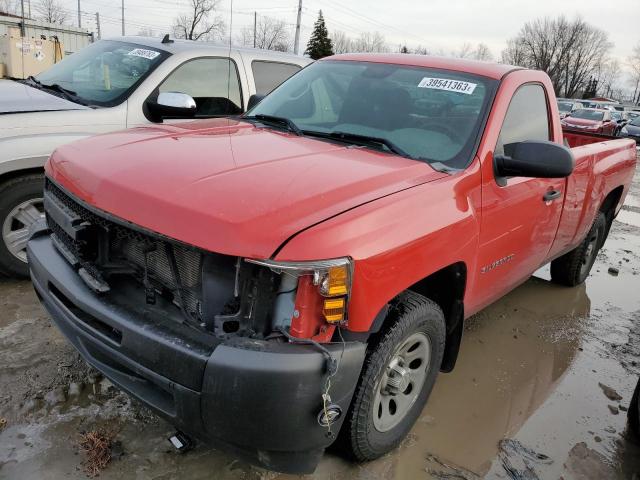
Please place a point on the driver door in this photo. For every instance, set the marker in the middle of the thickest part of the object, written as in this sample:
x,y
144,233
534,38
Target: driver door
x,y
520,216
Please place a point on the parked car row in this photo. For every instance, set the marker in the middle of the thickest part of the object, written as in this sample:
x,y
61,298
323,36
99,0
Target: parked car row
x,y
107,86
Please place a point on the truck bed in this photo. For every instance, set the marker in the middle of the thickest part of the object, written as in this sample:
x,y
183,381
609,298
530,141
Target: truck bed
x,y
574,138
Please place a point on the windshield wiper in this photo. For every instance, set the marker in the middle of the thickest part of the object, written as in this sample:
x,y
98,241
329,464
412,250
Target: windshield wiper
x,y
288,124
65,92
358,139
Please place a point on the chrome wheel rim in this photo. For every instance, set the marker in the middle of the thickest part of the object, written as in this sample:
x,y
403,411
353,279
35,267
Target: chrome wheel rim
x,y
401,382
15,228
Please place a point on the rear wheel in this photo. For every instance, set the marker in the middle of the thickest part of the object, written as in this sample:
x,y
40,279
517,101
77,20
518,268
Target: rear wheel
x,y
399,372
573,268
21,206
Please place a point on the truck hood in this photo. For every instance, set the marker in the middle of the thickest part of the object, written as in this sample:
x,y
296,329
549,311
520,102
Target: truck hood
x,y
16,97
227,186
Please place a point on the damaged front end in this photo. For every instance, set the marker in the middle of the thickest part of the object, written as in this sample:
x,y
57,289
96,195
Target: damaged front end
x,y
226,348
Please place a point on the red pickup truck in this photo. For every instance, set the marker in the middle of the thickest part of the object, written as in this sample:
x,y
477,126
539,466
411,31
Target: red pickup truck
x,y
301,274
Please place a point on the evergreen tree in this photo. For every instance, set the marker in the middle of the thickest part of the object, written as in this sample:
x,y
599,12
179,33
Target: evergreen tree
x,y
319,44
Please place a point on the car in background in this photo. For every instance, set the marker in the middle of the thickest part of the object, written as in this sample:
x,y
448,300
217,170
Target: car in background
x,y
632,130
111,85
621,120
568,106
590,120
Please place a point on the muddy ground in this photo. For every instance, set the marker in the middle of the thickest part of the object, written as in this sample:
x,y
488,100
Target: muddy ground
x,y
539,392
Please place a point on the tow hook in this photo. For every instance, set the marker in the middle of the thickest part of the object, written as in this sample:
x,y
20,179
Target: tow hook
x,y
181,442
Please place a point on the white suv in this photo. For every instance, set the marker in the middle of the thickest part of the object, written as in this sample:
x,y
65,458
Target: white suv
x,y
111,85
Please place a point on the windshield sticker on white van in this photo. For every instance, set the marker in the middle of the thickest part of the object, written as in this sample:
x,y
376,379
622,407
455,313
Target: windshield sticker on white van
x,y
448,85
141,52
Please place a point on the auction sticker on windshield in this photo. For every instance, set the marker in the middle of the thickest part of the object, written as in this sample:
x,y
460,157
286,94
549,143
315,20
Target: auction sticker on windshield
x,y
141,52
448,85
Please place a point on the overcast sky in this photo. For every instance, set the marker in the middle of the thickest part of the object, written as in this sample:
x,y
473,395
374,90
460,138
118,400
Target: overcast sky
x,y
437,24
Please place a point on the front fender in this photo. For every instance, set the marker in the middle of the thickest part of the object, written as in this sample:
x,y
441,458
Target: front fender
x,y
398,240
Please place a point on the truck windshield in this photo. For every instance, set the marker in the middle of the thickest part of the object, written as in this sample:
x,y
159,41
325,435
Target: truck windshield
x,y
102,74
587,114
421,113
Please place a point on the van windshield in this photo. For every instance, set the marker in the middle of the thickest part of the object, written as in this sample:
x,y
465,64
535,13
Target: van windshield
x,y
101,74
421,113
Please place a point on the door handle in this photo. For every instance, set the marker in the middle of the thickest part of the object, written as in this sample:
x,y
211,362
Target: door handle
x,y
551,195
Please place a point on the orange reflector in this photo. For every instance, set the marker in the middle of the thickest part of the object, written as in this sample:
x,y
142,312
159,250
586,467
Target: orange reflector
x,y
333,310
337,281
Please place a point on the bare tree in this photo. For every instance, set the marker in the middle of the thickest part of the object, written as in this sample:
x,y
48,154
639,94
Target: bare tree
x,y
482,53
51,11
370,42
420,50
271,34
607,76
633,62
198,24
465,51
570,51
147,32
341,42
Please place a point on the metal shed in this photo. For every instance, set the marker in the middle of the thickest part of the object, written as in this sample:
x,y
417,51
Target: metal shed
x,y
72,38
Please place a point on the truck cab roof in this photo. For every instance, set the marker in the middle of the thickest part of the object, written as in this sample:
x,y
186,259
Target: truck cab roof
x,y
486,69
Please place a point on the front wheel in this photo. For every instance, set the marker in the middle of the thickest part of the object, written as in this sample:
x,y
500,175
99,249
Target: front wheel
x,y
572,268
21,206
399,372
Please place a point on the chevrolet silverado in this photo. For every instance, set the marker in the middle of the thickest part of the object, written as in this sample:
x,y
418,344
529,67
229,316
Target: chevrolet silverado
x,y
300,275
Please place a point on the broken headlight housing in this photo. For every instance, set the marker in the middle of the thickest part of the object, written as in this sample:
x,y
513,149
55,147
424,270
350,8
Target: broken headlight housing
x,y
331,277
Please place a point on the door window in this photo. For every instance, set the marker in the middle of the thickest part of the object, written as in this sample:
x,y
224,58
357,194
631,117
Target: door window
x,y
212,82
527,118
268,75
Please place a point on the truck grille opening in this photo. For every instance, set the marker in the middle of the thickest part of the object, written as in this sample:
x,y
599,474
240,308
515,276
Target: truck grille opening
x,y
106,249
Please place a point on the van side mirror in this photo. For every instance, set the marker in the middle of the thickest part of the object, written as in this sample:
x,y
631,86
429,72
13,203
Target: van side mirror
x,y
254,100
172,105
535,159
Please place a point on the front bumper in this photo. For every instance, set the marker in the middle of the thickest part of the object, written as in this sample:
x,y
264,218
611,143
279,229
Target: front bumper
x,y
258,399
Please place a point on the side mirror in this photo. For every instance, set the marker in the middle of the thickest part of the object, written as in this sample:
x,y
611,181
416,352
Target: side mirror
x,y
535,159
172,105
254,100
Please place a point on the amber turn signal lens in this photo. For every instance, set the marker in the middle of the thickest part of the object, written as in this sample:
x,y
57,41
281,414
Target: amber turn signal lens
x,y
333,310
336,281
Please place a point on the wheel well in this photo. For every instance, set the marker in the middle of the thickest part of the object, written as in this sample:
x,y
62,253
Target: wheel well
x,y
611,201
446,287
19,173
608,207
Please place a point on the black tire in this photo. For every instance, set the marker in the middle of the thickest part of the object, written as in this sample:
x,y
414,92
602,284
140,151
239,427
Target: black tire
x,y
573,268
13,193
412,314
633,415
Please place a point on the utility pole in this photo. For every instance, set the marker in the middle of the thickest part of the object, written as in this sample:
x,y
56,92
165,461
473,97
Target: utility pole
x,y
296,44
22,32
123,18
255,27
79,16
98,25
29,4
